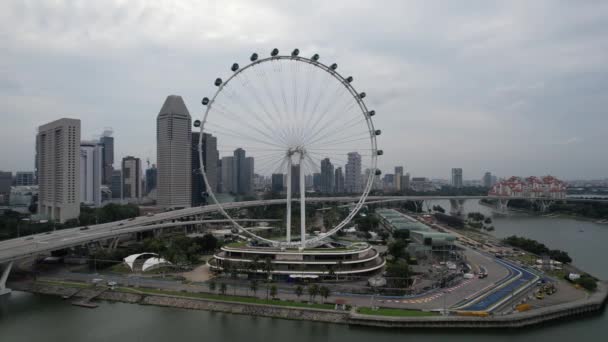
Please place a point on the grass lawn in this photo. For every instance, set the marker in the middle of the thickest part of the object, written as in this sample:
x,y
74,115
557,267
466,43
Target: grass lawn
x,y
395,312
238,299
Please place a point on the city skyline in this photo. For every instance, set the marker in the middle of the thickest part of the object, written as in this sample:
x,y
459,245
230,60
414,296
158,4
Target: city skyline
x,y
476,109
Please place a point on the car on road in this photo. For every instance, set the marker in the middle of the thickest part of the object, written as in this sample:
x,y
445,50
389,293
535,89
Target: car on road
x,y
84,228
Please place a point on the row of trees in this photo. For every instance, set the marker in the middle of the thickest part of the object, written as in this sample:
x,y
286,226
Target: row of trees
x,y
181,249
312,290
479,221
538,248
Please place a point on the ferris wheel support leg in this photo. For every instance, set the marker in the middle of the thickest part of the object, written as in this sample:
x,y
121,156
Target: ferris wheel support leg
x,y
302,204
288,216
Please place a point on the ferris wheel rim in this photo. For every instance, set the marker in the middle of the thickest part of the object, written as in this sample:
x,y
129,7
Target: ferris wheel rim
x,y
372,135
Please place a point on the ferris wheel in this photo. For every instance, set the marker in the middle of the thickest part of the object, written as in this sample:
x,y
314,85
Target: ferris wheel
x,y
300,121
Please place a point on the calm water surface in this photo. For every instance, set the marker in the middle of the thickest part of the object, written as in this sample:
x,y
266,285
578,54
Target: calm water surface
x,y
26,317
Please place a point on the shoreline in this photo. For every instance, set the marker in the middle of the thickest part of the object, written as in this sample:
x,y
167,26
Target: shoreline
x,y
593,304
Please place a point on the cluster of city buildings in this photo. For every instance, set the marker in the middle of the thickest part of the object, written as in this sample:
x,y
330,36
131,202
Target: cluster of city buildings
x,y
547,187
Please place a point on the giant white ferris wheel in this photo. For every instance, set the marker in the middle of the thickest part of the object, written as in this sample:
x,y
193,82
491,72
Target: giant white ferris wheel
x,y
294,115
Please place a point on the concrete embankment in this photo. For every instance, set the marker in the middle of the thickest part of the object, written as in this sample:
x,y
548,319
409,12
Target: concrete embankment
x,y
593,304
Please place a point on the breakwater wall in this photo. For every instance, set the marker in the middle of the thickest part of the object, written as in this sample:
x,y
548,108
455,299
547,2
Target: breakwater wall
x,y
594,303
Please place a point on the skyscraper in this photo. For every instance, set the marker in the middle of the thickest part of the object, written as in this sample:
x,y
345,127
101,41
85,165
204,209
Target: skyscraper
x,y
242,173
352,179
457,177
58,168
6,180
116,185
277,182
210,161
227,174
174,156
91,172
487,179
151,179
316,181
25,178
327,176
398,178
107,158
339,181
295,179
131,179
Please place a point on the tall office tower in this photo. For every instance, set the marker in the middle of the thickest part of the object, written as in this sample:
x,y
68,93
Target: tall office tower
x,y
338,181
151,178
131,179
316,181
398,178
107,157
227,175
242,173
116,184
309,181
174,156
352,178
457,177
277,182
58,162
210,161
295,179
487,179
405,182
91,172
6,180
25,178
327,176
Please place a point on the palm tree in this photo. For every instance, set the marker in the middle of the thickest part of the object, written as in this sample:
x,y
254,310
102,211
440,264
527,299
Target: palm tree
x,y
253,286
268,267
325,292
299,291
223,288
212,286
313,291
273,291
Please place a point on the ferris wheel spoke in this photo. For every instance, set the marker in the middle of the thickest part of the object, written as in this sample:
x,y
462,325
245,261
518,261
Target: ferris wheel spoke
x,y
266,86
239,135
339,136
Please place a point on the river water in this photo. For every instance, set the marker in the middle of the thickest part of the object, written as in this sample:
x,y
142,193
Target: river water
x,y
27,317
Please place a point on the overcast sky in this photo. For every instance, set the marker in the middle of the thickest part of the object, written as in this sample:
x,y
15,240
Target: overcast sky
x,y
512,87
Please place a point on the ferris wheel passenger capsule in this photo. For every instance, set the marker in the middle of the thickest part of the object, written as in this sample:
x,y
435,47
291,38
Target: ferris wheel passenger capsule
x,y
205,101
371,113
197,123
218,82
334,66
378,172
254,57
378,132
274,52
235,67
362,95
349,79
379,152
315,57
295,53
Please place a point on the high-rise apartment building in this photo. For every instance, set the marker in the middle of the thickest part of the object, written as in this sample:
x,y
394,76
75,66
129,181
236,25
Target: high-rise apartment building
x,y
327,176
131,179
25,178
91,172
107,157
174,156
457,177
242,172
352,178
338,180
58,169
6,180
